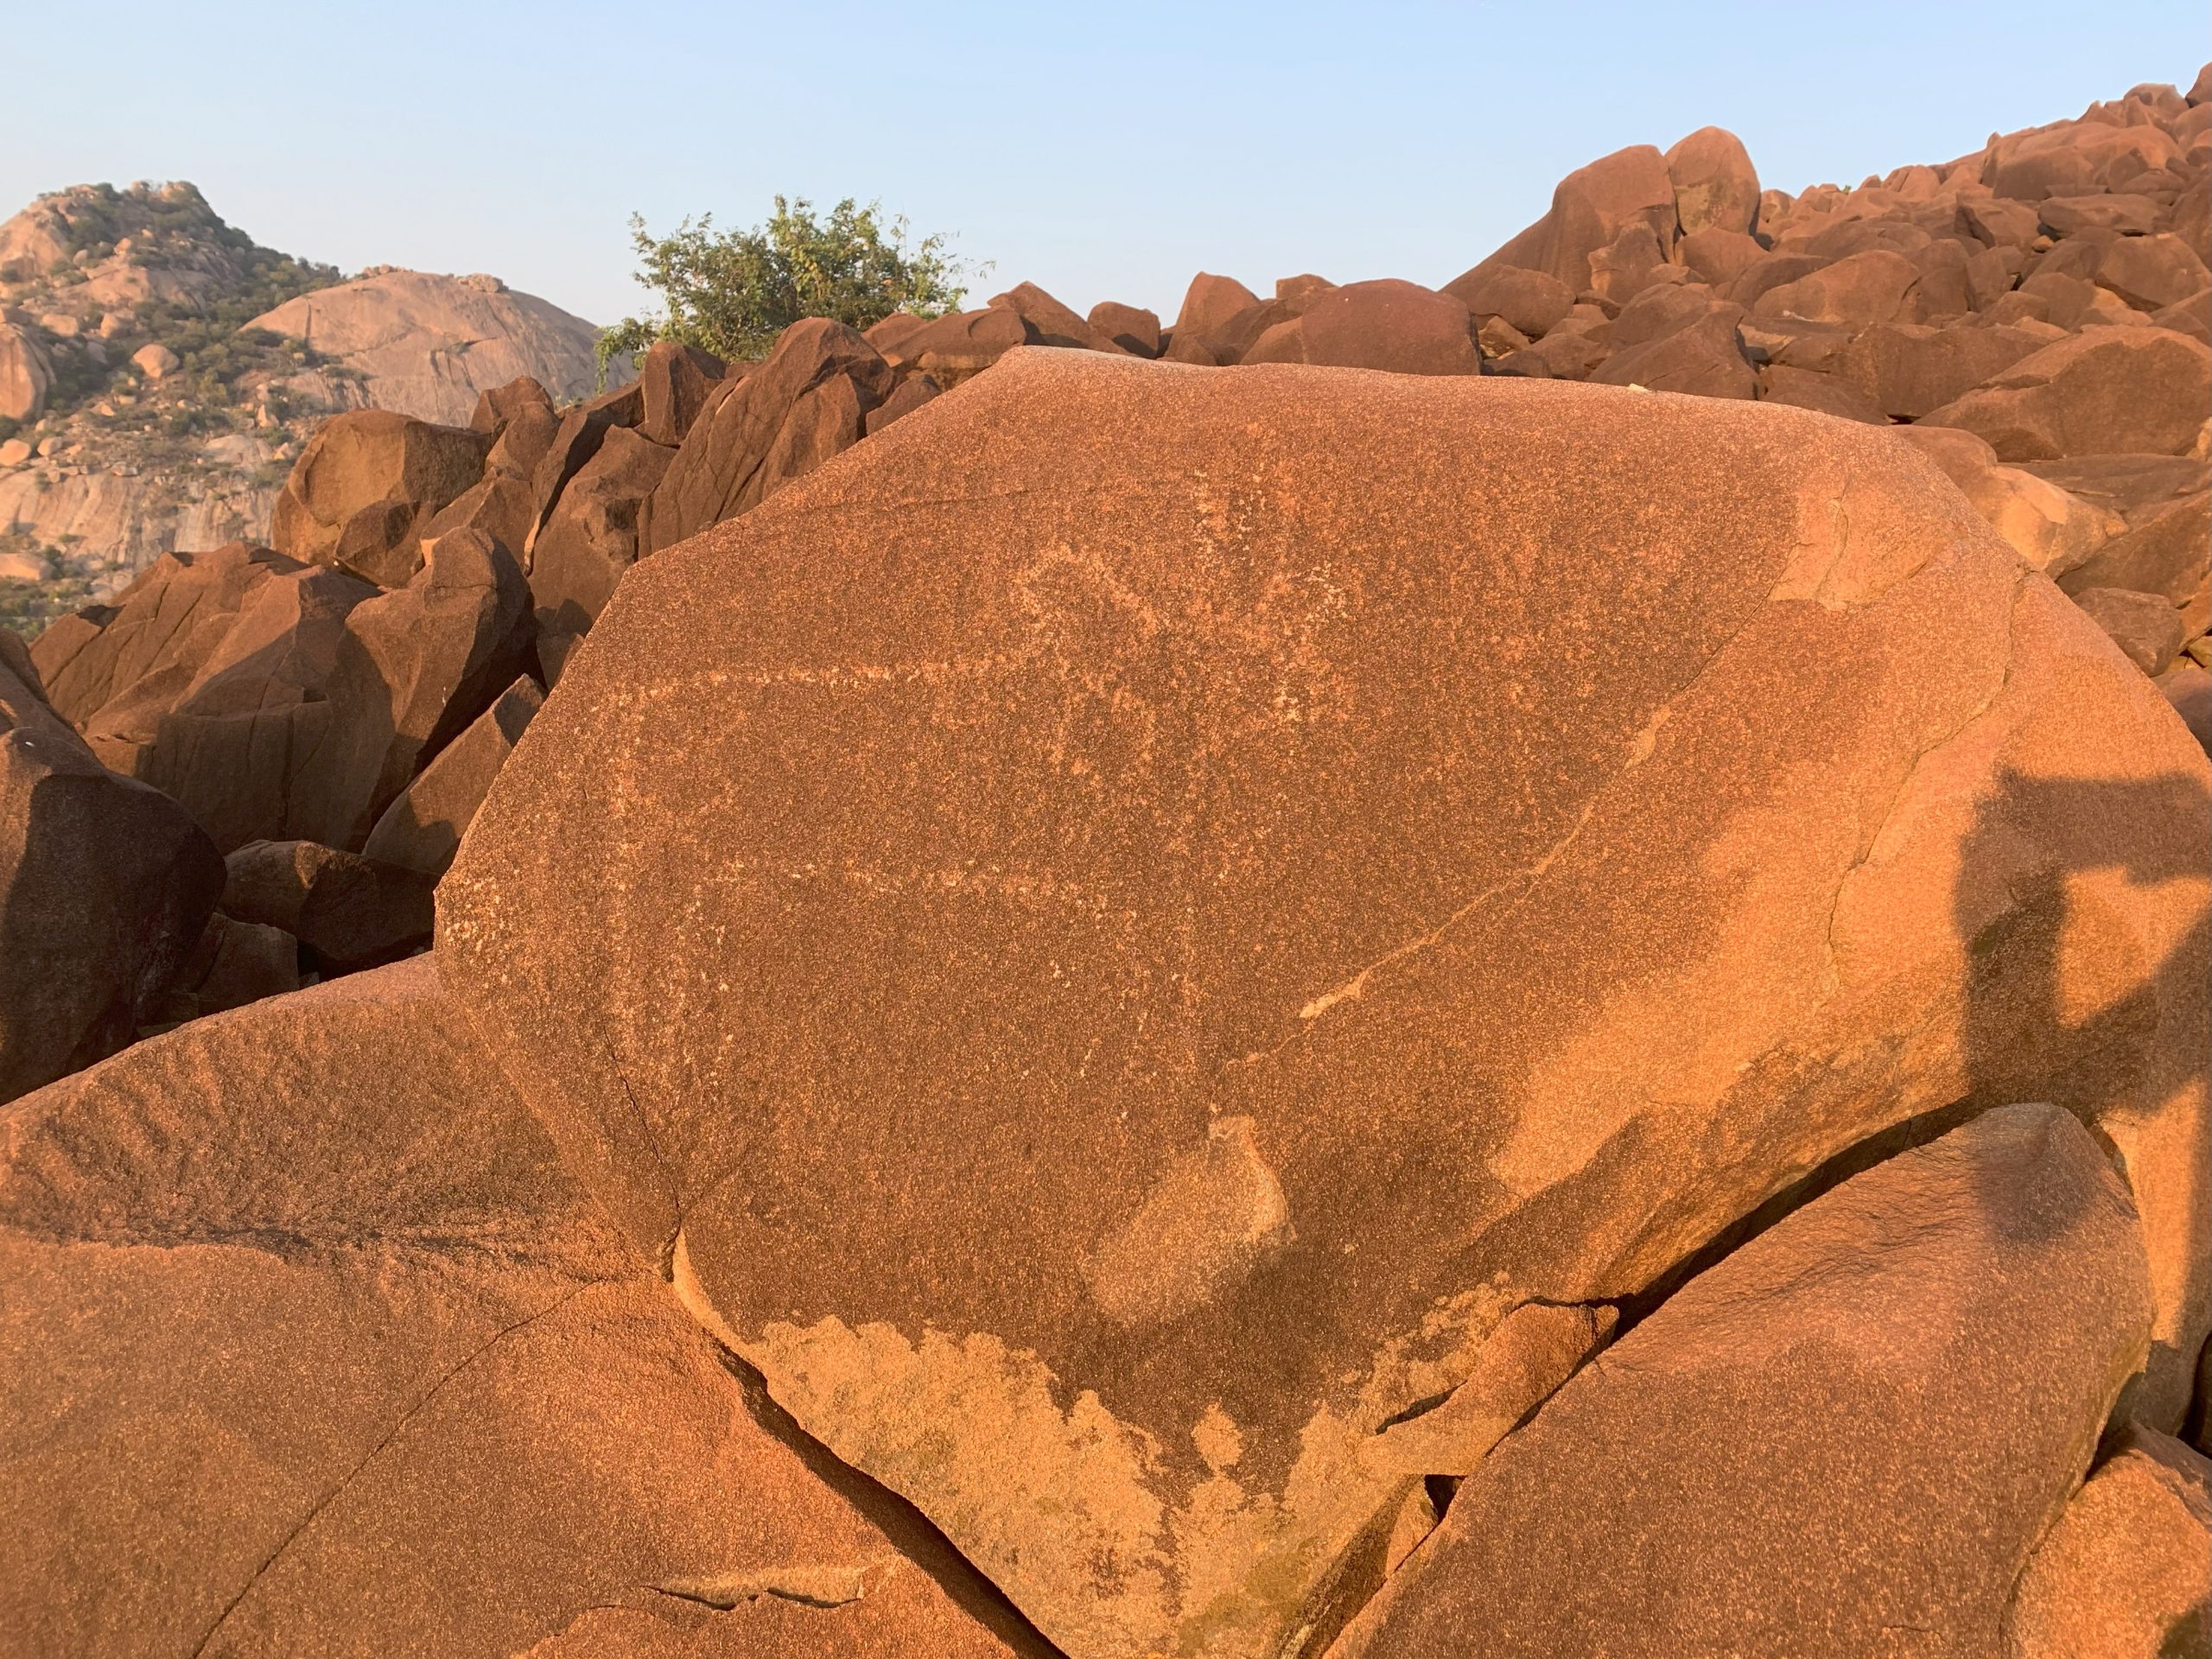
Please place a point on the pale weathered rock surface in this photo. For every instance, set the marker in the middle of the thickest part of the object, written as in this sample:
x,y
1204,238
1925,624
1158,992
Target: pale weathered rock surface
x,y
1092,857
25,375
428,345
109,293
1856,1426
311,1347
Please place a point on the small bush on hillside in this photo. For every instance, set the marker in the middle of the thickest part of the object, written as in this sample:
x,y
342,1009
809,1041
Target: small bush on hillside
x,y
732,292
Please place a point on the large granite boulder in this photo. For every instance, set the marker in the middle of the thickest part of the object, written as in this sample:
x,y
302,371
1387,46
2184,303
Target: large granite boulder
x,y
420,663
950,349
1111,935
105,887
366,485
311,1346
164,625
1856,1426
239,726
2126,1572
1399,326
423,827
590,538
2103,391
282,700
25,374
1629,190
1716,186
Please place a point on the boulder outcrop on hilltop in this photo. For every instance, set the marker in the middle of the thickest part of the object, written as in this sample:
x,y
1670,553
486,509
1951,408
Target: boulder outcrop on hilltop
x,y
159,371
1326,997
427,346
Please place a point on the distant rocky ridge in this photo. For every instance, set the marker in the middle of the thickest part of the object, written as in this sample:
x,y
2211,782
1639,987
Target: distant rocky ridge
x,y
426,345
159,372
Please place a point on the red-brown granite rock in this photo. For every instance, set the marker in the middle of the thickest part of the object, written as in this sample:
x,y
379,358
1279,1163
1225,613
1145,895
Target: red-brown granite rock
x,y
1705,358
366,482
2163,551
167,622
912,393
1134,329
1052,323
105,887
275,700
1590,207
1860,290
1530,300
591,537
2145,626
674,381
2125,1573
1829,394
963,343
423,827
1909,369
885,335
1399,326
239,726
311,1346
1716,186
2188,690
348,911
2053,530
1858,1424
234,964
1112,933
417,665
2104,391
806,402
1720,256
498,408
1210,302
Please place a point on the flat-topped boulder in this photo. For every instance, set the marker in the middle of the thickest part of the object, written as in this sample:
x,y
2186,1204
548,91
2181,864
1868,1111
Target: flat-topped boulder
x,y
1113,933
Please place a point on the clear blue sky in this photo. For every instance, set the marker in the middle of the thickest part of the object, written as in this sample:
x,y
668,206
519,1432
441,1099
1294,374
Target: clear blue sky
x,y
1105,151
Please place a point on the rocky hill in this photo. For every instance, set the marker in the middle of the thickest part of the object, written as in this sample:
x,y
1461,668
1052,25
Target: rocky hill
x,y
426,345
160,370
1522,967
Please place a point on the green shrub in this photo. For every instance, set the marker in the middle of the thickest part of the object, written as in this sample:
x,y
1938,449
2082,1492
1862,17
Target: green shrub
x,y
732,292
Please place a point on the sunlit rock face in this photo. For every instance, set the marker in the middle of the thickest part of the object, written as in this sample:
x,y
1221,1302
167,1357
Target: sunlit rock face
x,y
1108,937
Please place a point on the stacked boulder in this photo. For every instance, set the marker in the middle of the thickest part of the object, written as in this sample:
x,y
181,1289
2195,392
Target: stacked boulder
x,y
106,889
331,710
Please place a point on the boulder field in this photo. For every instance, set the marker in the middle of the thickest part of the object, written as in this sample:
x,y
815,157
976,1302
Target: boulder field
x,y
1514,968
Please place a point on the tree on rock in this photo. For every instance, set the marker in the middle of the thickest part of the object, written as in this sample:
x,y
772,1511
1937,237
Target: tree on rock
x,y
732,292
